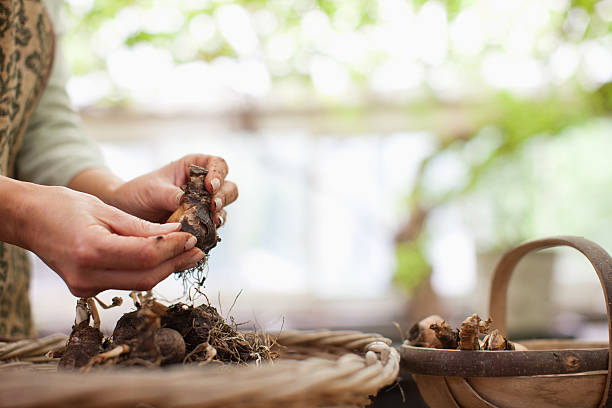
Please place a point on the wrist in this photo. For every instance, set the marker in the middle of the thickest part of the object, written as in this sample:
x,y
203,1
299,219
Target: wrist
x,y
98,182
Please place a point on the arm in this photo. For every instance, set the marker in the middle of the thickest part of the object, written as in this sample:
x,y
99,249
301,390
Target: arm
x,y
91,245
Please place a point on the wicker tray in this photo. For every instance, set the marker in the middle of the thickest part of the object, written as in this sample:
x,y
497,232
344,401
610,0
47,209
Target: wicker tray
x,y
552,373
316,368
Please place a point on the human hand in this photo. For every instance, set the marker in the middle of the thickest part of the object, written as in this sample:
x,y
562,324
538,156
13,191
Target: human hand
x,y
154,196
94,246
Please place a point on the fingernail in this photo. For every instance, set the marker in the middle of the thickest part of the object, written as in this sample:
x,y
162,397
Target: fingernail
x,y
179,197
218,203
215,183
198,256
221,220
191,242
169,227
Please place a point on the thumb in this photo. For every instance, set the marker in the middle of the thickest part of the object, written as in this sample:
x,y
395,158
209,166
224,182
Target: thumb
x,y
167,197
128,225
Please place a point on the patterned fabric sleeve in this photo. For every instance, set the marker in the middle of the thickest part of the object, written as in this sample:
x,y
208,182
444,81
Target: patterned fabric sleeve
x,y
55,147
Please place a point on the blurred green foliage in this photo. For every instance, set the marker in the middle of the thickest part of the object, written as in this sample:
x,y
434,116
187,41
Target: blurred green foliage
x,y
412,267
588,5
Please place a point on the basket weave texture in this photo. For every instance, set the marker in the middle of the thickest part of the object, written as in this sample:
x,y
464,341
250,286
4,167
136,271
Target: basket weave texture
x,y
316,369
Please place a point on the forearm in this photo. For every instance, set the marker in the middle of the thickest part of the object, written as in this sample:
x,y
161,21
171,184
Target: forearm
x,y
98,182
15,206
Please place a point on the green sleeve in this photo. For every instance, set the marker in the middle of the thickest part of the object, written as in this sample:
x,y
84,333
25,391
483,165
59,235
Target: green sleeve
x,y
55,146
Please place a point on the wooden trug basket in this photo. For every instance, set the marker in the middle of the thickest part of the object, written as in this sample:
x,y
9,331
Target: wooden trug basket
x,y
551,373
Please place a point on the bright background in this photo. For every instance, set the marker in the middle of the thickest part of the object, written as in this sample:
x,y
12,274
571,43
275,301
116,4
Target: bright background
x,y
379,146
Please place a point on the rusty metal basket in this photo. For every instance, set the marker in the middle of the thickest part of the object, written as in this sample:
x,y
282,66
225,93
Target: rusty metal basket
x,y
551,373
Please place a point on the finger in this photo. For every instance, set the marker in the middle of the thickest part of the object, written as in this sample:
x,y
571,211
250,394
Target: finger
x,y
111,251
216,166
217,171
142,279
219,218
129,225
226,195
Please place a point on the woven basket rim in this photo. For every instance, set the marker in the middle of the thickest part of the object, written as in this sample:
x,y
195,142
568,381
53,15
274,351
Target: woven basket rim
x,y
369,364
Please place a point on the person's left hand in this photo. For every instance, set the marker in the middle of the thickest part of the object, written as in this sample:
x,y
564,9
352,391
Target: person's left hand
x,y
154,196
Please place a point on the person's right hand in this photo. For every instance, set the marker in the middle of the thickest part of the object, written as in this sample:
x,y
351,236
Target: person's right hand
x,y
94,246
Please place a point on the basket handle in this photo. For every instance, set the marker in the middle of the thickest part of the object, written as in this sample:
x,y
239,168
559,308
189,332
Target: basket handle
x,y
599,258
